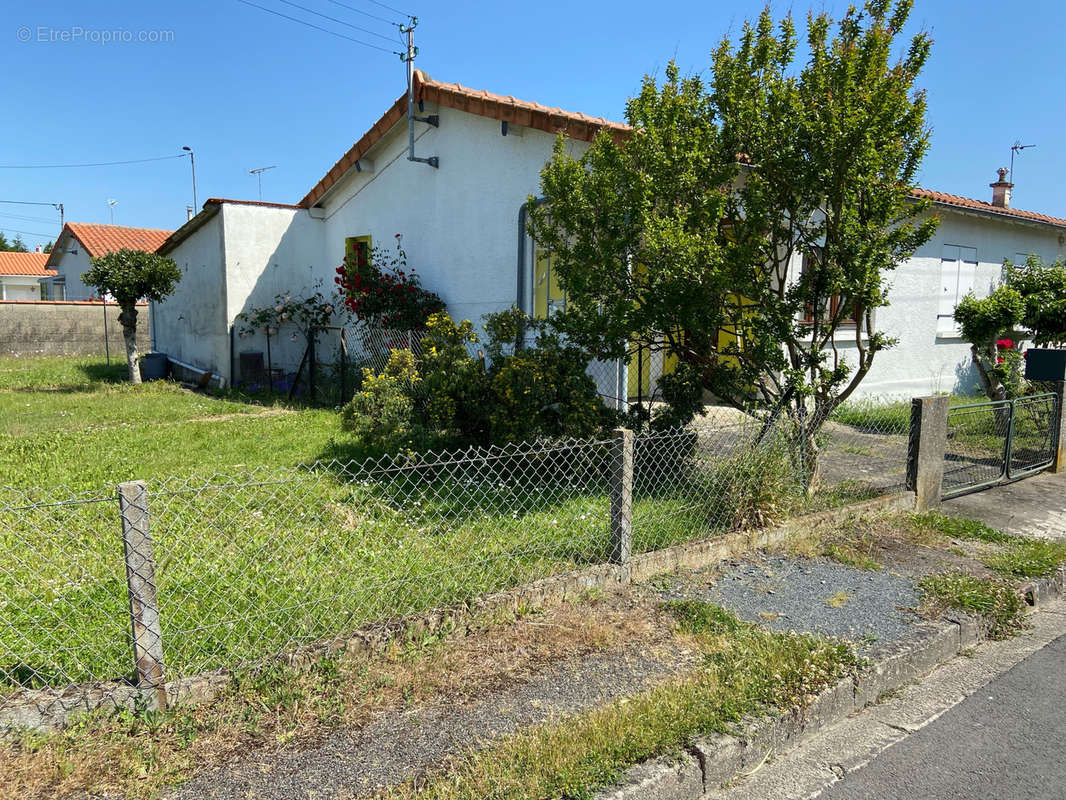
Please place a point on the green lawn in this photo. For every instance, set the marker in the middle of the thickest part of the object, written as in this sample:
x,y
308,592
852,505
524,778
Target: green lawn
x,y
71,422
254,556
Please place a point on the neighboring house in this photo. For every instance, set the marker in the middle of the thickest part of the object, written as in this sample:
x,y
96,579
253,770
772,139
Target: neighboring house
x,y
20,274
463,228
79,242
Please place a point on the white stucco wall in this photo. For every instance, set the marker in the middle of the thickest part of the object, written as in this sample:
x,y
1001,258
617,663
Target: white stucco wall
x,y
191,325
19,287
272,251
459,222
460,227
925,361
73,261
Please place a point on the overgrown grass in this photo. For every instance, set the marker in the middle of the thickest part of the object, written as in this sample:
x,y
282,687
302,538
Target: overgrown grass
x,y
254,561
958,527
72,422
1028,558
1016,556
747,670
997,601
138,754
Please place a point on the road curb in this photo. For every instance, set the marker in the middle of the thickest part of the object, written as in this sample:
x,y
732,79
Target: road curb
x,y
716,760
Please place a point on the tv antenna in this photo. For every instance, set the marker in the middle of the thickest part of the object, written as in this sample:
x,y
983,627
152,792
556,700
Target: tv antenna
x,y
258,172
1017,147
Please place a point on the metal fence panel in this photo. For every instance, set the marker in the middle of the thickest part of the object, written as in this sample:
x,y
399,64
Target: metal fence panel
x,y
976,450
1032,439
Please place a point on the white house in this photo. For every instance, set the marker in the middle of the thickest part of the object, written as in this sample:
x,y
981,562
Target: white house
x,y
79,242
20,273
462,219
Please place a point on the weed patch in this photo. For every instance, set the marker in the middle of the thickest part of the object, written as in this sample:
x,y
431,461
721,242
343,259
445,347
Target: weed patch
x,y
997,601
746,670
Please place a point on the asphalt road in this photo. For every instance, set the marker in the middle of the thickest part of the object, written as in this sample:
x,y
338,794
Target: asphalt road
x,y
1007,741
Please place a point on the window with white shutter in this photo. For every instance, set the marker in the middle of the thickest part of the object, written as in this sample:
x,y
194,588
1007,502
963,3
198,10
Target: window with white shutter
x,y
958,277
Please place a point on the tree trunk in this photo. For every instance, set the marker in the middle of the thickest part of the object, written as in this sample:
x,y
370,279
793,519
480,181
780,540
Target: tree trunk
x,y
128,320
993,388
806,432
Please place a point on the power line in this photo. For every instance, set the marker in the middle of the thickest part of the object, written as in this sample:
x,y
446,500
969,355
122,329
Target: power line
x,y
338,21
318,27
390,8
27,233
70,166
26,219
365,13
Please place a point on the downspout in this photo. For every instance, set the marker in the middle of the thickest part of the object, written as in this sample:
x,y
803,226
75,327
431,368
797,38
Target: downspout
x,y
520,301
231,375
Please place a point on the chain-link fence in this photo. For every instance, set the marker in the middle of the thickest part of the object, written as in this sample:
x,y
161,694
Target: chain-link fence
x,y
163,588
108,595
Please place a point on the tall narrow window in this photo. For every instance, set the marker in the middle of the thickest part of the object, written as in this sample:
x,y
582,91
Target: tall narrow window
x,y
548,295
958,277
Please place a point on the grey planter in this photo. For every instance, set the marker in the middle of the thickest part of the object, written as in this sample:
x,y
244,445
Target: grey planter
x,y
153,366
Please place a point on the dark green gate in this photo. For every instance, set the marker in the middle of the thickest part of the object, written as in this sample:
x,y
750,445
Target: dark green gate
x,y
998,441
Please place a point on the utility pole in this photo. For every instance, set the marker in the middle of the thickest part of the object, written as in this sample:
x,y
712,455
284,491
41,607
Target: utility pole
x,y
192,163
258,172
433,119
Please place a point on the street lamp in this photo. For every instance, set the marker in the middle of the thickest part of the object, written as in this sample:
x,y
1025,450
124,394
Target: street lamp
x,y
192,163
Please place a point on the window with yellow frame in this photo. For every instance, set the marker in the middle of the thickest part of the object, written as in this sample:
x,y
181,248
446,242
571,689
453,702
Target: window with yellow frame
x,y
548,294
357,247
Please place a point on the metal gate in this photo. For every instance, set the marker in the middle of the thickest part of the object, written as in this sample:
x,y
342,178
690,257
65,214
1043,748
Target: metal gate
x,y
998,441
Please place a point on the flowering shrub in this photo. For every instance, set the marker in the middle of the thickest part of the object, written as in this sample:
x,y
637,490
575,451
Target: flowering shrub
x,y
455,399
314,310
379,288
381,414
1008,368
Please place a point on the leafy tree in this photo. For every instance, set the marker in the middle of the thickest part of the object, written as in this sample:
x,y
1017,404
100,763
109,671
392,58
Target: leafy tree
x,y
686,236
5,245
48,247
130,276
1043,288
1031,301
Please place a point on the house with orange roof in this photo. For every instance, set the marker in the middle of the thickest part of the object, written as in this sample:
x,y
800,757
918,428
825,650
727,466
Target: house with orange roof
x,y
20,274
79,242
452,185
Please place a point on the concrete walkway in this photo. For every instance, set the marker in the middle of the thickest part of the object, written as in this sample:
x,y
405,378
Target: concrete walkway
x,y
1030,507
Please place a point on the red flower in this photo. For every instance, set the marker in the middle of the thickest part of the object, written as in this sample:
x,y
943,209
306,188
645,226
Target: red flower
x,y
999,360
1005,344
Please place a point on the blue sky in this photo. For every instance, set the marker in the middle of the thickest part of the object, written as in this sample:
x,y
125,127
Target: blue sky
x,y
247,89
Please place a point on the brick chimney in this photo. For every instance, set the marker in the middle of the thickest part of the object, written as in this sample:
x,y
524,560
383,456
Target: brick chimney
x,y
37,249
1001,189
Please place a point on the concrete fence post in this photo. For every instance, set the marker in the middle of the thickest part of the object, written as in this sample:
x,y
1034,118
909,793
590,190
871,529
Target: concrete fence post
x,y
144,605
926,448
1058,429
622,497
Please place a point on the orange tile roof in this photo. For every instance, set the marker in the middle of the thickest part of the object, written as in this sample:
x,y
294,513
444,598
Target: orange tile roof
x,y
25,264
956,201
474,101
99,240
